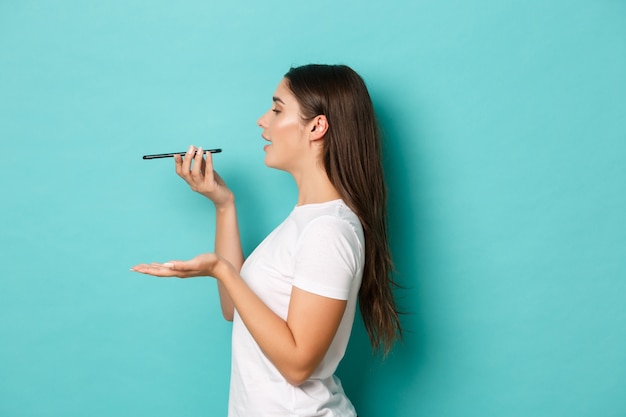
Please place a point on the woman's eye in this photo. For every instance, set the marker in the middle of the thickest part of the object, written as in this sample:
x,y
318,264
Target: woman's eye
x,y
276,111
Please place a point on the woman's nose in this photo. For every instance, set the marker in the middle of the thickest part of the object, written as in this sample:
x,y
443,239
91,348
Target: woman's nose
x,y
262,122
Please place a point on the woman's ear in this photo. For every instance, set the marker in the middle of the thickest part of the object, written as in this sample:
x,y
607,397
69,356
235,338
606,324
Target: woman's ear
x,y
319,127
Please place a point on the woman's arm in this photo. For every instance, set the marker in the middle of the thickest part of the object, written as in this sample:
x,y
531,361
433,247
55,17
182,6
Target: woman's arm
x,y
203,179
228,246
295,346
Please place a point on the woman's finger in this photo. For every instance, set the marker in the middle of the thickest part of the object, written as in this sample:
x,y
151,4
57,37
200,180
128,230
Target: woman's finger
x,y
196,171
209,179
157,269
178,164
201,265
209,162
186,167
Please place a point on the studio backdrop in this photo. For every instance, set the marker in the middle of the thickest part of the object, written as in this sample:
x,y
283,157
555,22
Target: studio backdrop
x,y
505,151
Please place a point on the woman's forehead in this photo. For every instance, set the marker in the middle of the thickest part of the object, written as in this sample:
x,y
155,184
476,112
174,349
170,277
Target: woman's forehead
x,y
283,93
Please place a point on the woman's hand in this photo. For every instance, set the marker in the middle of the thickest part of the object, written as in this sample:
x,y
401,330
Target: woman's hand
x,y
202,178
205,265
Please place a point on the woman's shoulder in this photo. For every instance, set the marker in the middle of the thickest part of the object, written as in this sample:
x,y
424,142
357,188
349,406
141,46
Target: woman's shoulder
x,y
334,209
328,218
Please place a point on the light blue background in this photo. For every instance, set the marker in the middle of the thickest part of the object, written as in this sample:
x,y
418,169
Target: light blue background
x,y
505,153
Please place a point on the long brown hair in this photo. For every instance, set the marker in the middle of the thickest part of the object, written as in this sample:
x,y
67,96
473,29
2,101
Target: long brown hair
x,y
352,159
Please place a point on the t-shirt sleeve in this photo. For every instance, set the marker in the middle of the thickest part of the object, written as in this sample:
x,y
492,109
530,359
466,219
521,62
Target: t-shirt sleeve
x,y
327,258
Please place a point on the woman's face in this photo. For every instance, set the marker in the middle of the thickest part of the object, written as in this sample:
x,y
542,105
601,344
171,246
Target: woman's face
x,y
284,130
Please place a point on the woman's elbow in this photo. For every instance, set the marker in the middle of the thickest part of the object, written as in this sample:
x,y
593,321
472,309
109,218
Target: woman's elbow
x,y
297,380
297,376
228,313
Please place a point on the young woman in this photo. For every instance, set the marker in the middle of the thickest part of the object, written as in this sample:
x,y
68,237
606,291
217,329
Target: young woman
x,y
293,300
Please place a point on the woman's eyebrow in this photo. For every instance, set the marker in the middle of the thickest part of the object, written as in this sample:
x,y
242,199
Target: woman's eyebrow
x,y
277,100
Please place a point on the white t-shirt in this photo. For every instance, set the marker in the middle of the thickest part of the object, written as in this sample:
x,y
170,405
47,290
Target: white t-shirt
x,y
319,248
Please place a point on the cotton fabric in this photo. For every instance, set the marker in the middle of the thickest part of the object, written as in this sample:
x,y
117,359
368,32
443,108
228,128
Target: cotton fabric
x,y
319,248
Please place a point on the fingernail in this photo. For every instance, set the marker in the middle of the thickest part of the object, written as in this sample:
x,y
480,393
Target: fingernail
x,y
168,265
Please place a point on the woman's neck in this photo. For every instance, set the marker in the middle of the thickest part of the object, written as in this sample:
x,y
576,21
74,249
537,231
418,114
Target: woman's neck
x,y
315,187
